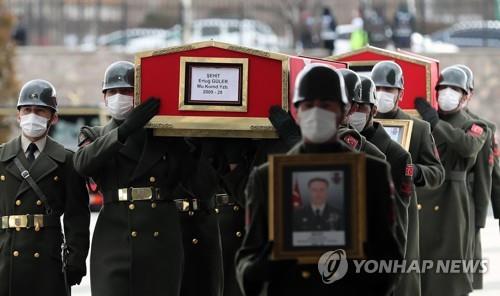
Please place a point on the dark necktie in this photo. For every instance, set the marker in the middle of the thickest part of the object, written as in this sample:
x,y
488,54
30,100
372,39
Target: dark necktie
x,y
32,148
318,213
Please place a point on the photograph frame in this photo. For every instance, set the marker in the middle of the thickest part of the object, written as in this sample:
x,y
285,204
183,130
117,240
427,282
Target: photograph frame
x,y
405,124
186,65
356,232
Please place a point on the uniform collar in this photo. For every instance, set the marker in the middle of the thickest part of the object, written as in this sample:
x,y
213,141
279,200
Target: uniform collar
x,y
40,144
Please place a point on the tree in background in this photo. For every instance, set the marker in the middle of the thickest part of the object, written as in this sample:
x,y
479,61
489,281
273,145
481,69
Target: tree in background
x,y
8,82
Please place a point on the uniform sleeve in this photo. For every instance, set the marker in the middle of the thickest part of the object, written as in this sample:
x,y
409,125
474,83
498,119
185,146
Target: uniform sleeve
x,y
76,219
432,171
481,181
467,143
255,239
92,156
495,176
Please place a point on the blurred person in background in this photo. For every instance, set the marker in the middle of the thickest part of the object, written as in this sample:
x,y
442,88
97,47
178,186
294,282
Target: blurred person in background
x,y
403,27
328,27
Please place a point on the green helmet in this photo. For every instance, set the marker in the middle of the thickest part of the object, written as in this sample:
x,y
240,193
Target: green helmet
x,y
38,92
118,75
387,74
352,84
470,76
318,81
453,76
367,91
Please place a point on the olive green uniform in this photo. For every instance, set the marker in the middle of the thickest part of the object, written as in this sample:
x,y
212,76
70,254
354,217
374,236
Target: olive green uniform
x,y
31,262
424,155
288,277
480,181
446,214
137,248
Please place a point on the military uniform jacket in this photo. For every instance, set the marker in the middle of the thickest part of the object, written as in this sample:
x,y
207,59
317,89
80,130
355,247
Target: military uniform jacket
x,y
359,143
330,219
424,154
289,278
401,169
137,246
447,210
31,262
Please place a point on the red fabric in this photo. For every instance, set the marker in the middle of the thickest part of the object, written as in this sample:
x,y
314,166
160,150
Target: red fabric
x,y
160,78
351,141
296,196
475,130
414,76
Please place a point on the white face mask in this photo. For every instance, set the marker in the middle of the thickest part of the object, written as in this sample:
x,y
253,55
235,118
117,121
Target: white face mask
x,y
317,125
358,121
119,106
448,99
385,101
33,125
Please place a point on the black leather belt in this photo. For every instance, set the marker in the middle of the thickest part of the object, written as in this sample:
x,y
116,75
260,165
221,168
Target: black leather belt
x,y
455,176
30,221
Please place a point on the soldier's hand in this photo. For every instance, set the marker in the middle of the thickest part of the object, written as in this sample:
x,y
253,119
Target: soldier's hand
x,y
285,125
74,276
425,110
138,118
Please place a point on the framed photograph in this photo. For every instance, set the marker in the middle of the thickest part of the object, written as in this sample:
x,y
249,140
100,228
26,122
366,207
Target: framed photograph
x,y
399,130
315,204
213,84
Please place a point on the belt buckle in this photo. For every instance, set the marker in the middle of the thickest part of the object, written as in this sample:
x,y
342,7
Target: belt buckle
x,y
18,221
184,205
141,193
123,194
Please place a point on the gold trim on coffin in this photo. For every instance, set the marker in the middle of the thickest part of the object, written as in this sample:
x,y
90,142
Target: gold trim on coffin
x,y
392,54
210,107
406,124
234,127
198,127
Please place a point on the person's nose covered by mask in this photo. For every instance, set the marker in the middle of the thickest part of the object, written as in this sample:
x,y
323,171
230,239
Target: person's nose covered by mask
x,y
318,125
386,101
33,125
321,101
358,120
449,99
120,105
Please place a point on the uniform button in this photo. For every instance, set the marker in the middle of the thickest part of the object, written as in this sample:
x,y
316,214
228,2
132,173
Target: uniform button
x,y
152,179
133,233
164,157
2,177
194,241
239,234
38,202
156,234
153,205
131,206
191,213
419,207
436,208
15,253
236,208
56,178
18,202
306,274
36,255
216,210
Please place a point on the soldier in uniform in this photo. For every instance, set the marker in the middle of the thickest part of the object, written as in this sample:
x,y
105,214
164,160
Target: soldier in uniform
x,y
481,177
446,214
137,248
360,117
428,173
38,184
320,97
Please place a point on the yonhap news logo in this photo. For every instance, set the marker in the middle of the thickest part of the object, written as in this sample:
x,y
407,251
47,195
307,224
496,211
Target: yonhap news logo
x,y
333,266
